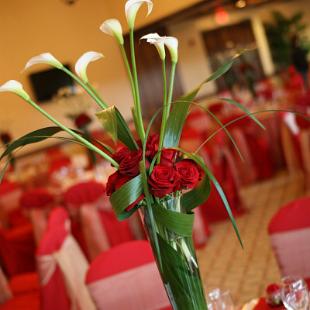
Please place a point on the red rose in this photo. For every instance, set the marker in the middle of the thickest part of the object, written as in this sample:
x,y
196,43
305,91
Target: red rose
x,y
129,165
82,120
117,180
168,157
189,173
163,180
152,146
121,154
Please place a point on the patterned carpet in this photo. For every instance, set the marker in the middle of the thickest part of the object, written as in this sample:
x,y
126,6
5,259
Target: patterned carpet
x,y
246,272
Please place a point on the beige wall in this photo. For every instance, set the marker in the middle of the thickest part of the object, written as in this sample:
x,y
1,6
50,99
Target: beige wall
x,y
35,26
194,64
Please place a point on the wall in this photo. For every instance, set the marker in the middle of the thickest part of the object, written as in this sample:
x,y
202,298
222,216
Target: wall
x,y
31,27
194,64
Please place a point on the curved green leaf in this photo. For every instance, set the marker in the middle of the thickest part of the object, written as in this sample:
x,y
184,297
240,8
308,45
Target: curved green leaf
x,y
218,187
41,135
125,196
180,223
180,108
244,109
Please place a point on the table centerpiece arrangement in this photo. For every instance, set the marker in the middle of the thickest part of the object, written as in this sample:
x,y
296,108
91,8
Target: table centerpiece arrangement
x,y
152,173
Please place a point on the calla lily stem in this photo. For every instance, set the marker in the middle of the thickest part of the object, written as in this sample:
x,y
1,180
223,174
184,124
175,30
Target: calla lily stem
x,y
138,112
87,88
126,62
73,134
165,108
171,86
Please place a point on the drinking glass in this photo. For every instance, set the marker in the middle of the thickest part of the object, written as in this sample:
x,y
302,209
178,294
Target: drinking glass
x,y
295,294
219,300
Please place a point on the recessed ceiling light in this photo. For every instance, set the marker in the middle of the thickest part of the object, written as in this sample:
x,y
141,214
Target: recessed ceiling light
x,y
240,4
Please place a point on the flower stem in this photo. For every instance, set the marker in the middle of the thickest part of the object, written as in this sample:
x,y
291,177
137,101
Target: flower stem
x,y
87,88
138,111
165,109
126,62
73,134
170,94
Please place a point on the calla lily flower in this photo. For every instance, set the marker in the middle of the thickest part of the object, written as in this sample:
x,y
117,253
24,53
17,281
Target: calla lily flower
x,y
156,40
113,28
14,87
45,58
172,44
83,62
132,7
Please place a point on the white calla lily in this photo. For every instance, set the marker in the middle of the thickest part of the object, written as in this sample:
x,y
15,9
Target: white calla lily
x,y
172,44
14,87
113,28
83,62
132,7
156,40
45,58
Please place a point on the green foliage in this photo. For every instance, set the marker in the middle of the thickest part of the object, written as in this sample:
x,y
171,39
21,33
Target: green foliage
x,y
280,32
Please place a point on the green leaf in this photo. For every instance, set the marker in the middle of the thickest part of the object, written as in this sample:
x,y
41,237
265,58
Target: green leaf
x,y
197,196
107,118
244,109
41,135
180,223
218,187
125,196
180,108
114,123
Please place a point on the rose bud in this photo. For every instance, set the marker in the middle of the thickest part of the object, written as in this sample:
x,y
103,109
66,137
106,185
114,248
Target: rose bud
x,y
168,157
163,180
121,154
152,146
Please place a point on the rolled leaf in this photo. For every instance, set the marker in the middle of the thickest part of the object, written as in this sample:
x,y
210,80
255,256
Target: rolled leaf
x,y
107,118
218,187
125,196
180,223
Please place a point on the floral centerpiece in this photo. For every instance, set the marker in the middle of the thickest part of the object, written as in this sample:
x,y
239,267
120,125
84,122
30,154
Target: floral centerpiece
x,y
153,174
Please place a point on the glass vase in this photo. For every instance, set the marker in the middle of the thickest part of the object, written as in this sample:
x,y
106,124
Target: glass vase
x,y
170,233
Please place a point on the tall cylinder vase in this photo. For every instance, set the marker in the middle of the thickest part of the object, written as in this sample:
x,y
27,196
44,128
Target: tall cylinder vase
x,y
170,235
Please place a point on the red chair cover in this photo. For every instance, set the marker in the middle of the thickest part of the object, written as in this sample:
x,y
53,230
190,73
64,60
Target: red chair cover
x,y
17,249
107,273
91,192
61,267
289,232
293,216
23,302
37,198
58,164
24,283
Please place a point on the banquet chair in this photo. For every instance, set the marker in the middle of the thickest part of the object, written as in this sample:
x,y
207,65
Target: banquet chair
x,y
289,231
220,161
126,277
95,219
62,267
37,203
295,134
